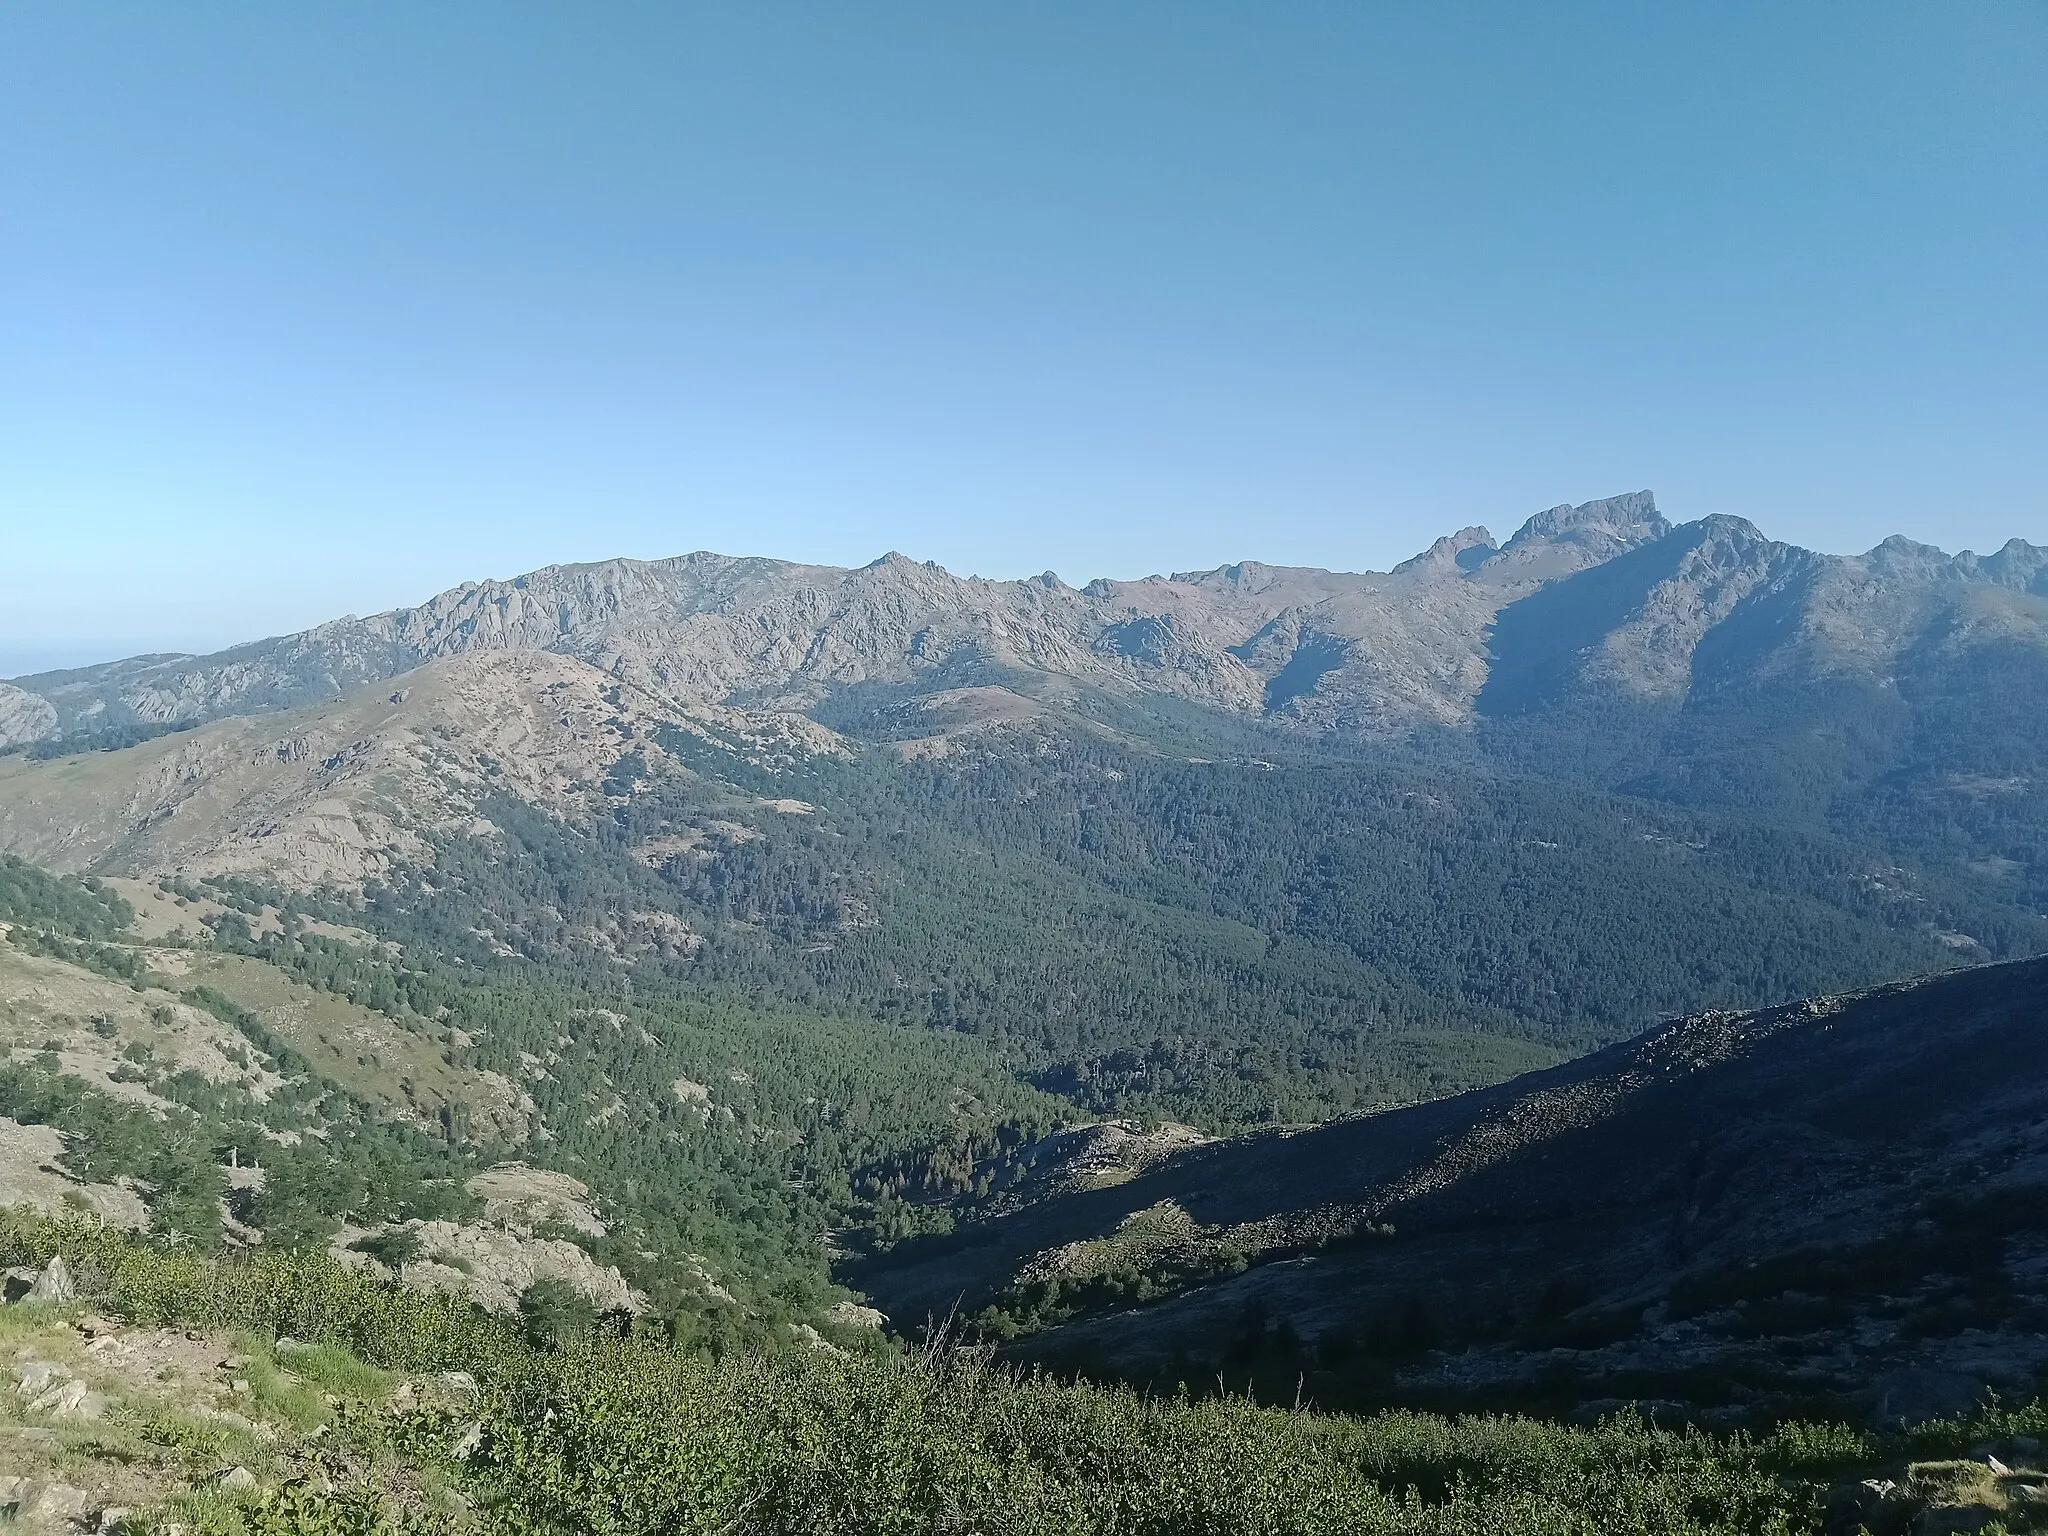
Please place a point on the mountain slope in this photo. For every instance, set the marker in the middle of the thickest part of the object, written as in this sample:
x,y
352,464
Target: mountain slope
x,y
265,1077
1829,1199
1891,698
1233,942
707,628
332,794
772,901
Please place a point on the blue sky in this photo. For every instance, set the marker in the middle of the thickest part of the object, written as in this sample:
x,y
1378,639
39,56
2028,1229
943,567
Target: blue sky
x,y
306,310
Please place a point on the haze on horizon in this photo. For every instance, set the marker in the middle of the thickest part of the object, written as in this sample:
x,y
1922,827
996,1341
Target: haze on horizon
x,y
310,314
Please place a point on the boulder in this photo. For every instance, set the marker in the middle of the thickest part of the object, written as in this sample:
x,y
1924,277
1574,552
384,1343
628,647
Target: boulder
x,y
52,1282
55,1282
1953,1519
1876,1505
53,1502
35,1376
69,1400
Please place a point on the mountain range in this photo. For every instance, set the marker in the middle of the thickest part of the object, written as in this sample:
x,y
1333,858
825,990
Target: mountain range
x,y
1603,598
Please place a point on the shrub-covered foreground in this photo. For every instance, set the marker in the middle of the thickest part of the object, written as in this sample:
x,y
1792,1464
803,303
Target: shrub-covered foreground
x,y
625,1435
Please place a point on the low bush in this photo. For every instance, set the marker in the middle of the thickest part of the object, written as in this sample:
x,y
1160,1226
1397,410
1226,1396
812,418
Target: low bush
x,y
590,1431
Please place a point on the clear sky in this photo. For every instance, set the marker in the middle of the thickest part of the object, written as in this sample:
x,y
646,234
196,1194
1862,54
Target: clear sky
x,y
315,309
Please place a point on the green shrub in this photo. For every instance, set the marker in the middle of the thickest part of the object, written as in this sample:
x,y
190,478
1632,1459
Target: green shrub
x,y
578,1430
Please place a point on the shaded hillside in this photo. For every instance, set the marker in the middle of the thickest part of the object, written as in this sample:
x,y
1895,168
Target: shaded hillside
x,y
1895,697
1839,1203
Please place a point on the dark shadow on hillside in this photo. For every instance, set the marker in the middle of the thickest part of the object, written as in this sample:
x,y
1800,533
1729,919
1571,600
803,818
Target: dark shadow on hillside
x,y
1534,646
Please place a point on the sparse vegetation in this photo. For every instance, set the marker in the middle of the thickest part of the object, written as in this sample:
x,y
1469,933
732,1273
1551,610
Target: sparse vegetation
x,y
38,900
594,1432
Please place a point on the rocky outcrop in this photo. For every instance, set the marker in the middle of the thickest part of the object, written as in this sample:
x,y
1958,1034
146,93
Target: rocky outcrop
x,y
495,1260
494,1267
32,1175
525,1200
25,716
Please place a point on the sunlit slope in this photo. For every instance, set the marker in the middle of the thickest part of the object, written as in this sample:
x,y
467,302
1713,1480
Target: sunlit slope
x,y
330,794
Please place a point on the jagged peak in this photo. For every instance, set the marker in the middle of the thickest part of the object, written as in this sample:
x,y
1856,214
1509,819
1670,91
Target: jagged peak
x,y
1238,574
1445,554
1728,525
1247,576
678,620
1630,520
1899,545
2016,564
1901,556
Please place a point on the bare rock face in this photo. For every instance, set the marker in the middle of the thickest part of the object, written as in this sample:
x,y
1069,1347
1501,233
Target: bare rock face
x,y
523,1199
32,1175
1603,529
1464,550
24,716
494,1266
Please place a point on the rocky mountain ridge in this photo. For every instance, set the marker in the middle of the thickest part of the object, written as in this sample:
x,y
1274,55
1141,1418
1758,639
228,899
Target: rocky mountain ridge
x,y
1607,597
